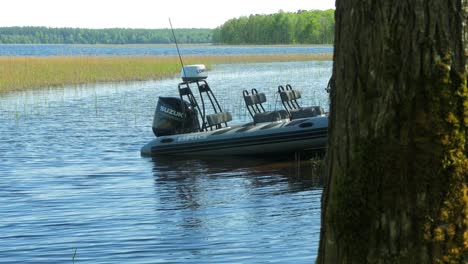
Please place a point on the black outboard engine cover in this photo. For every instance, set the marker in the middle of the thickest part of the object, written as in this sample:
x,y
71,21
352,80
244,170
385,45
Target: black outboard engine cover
x,y
174,116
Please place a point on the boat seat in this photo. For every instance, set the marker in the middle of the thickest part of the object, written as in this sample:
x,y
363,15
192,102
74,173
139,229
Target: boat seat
x,y
304,112
216,120
289,98
254,102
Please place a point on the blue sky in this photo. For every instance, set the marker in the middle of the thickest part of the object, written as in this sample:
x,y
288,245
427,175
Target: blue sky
x,y
142,13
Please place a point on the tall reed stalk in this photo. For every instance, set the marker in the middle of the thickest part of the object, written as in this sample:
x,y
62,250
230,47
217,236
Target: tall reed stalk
x,y
21,73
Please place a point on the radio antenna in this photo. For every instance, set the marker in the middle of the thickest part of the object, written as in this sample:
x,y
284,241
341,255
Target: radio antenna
x,y
178,51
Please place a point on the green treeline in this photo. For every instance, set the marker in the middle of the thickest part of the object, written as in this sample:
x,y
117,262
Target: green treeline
x,y
45,35
302,27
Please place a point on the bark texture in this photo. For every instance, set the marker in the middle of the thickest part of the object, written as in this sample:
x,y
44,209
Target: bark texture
x,y
397,167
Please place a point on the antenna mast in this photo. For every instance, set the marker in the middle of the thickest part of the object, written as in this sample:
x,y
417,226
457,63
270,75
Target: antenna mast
x,y
177,46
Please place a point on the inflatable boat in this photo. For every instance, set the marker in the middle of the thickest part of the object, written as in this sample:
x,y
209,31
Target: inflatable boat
x,y
195,124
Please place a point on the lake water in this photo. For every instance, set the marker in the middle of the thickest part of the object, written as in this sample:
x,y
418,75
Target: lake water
x,y
75,189
154,50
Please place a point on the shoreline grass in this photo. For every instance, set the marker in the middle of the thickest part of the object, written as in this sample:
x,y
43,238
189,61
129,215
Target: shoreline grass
x,y
26,73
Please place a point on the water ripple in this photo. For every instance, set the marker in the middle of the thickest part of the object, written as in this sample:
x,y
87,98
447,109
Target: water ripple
x,y
72,179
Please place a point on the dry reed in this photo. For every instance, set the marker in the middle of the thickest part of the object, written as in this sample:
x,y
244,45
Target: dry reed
x,y
21,73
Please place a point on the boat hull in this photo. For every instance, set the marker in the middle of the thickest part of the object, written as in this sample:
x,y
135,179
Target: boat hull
x,y
270,138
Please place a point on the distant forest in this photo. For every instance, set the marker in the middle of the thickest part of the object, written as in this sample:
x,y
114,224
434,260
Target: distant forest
x,y
45,35
301,27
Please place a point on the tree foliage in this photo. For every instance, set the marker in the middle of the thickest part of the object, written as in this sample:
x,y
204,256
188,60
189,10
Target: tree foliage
x,y
301,27
45,35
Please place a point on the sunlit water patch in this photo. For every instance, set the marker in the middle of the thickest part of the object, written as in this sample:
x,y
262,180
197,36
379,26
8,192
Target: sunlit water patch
x,y
72,179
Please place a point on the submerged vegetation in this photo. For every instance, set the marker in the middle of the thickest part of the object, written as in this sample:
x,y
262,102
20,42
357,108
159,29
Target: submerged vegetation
x,y
21,73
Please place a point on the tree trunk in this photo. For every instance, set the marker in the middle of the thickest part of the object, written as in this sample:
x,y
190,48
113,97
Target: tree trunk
x,y
397,167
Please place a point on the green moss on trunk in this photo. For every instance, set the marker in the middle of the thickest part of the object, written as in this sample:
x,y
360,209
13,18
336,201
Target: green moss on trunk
x,y
447,227
397,189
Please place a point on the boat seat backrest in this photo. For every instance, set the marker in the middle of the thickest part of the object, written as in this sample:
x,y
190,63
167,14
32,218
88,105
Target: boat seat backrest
x,y
254,101
250,99
287,96
218,119
261,98
254,98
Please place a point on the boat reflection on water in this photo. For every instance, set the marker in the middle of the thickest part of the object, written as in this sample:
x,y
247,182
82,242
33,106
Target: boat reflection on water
x,y
238,208
287,168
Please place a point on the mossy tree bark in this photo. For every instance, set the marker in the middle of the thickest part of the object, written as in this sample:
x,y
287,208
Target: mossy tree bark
x,y
397,162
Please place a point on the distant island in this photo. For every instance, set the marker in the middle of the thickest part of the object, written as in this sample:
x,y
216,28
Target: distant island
x,y
301,27
45,35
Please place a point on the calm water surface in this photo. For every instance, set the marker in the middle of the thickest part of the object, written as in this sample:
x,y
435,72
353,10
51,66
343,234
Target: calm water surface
x,y
72,179
153,50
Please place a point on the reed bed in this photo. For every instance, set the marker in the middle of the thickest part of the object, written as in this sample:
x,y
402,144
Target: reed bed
x,y
22,73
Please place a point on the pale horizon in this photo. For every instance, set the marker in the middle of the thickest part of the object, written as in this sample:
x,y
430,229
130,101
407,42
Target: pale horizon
x,y
142,14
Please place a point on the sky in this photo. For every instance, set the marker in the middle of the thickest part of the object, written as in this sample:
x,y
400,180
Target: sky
x,y
142,13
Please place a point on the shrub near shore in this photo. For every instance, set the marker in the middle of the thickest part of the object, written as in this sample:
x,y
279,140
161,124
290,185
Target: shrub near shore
x,y
21,73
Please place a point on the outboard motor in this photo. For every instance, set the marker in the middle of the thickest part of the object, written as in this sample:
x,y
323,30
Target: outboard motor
x,y
174,116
